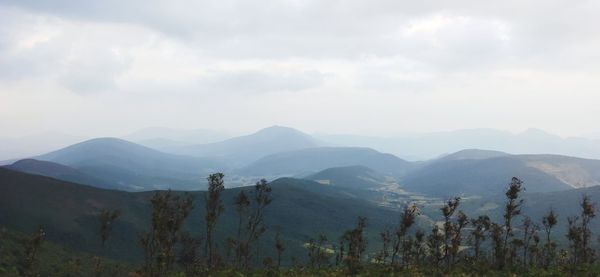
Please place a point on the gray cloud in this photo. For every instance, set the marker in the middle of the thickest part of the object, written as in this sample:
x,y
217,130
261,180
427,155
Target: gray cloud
x,y
459,60
256,81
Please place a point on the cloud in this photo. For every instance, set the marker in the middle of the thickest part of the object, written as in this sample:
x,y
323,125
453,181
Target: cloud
x,y
443,64
257,82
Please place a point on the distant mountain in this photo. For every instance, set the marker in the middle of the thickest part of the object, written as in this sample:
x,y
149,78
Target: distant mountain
x,y
472,154
488,176
165,138
134,167
575,172
245,149
16,148
357,177
425,146
316,159
59,171
300,209
431,145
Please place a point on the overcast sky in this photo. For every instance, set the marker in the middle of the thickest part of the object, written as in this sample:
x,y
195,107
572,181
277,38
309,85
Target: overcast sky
x,y
379,67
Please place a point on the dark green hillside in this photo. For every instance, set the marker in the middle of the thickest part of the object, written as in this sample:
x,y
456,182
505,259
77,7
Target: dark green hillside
x,y
134,167
68,211
300,209
59,171
53,259
316,159
536,205
357,177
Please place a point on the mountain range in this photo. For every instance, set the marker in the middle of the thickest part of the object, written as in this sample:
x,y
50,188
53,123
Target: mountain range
x,y
428,146
300,210
318,187
245,149
280,152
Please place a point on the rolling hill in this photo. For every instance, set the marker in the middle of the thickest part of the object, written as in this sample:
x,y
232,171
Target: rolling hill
x,y
357,177
245,149
488,176
316,159
59,171
300,209
134,167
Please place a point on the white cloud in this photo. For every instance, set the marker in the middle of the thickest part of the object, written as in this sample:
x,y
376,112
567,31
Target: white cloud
x,y
347,66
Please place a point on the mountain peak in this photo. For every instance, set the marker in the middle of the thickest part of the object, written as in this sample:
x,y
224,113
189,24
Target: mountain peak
x,y
279,130
106,140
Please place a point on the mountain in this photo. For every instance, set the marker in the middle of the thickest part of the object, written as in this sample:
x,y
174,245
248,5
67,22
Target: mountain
x,y
58,171
357,177
245,149
300,209
425,146
575,172
315,159
487,176
16,148
165,138
431,145
134,167
472,154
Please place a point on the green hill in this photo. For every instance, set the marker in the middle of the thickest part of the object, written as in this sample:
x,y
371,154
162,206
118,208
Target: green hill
x,y
300,209
134,167
59,171
357,177
316,159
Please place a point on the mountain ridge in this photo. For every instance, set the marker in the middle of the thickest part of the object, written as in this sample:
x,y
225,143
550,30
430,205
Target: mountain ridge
x,y
133,166
248,148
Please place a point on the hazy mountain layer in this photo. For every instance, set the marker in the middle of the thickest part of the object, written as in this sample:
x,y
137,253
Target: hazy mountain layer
x,y
316,159
487,176
431,145
132,166
244,149
59,171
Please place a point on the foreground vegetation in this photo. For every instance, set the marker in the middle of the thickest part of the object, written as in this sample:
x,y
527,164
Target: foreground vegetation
x,y
459,245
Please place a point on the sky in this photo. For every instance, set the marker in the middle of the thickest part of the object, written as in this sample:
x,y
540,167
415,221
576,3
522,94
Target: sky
x,y
99,68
